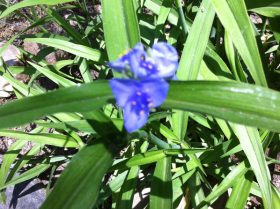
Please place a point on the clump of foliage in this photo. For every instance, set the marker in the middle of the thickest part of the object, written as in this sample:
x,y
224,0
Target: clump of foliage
x,y
211,135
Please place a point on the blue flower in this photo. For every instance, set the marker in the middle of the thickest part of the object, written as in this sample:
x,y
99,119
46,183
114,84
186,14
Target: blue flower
x,y
165,58
145,87
131,61
137,97
161,62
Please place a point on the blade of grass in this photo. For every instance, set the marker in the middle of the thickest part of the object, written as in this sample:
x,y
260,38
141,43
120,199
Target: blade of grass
x,y
42,138
53,76
237,102
76,49
240,192
28,3
192,56
162,17
196,190
151,157
161,188
127,190
249,96
230,180
8,158
24,160
79,184
196,42
233,15
154,6
112,187
123,35
251,144
67,27
268,8
85,71
27,175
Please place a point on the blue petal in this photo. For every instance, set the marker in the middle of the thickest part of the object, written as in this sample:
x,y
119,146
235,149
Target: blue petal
x,y
166,59
119,65
139,48
133,119
166,69
124,61
164,50
136,57
123,89
156,89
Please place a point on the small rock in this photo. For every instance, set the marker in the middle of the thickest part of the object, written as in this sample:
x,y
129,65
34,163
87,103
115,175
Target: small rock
x,y
26,195
5,88
256,19
4,94
32,48
11,55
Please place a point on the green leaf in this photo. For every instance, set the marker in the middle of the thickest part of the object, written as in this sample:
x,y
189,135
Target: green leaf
x,y
28,3
161,188
9,158
240,192
57,140
152,156
275,27
85,71
192,56
251,144
31,173
196,190
112,187
196,42
76,49
268,8
81,125
120,26
78,37
255,190
127,191
163,14
178,185
82,98
275,197
237,102
154,6
22,161
233,15
53,76
79,184
230,180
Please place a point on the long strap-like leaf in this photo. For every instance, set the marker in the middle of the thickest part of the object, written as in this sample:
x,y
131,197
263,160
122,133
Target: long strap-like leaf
x,y
237,102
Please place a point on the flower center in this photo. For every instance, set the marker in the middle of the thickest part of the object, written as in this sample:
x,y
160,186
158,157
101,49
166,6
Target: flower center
x,y
141,102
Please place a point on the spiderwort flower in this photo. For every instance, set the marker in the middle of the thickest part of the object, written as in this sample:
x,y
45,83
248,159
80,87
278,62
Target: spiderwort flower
x,y
132,60
145,87
165,59
137,97
161,62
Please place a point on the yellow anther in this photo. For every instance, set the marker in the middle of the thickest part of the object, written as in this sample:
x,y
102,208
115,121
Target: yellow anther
x,y
124,52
